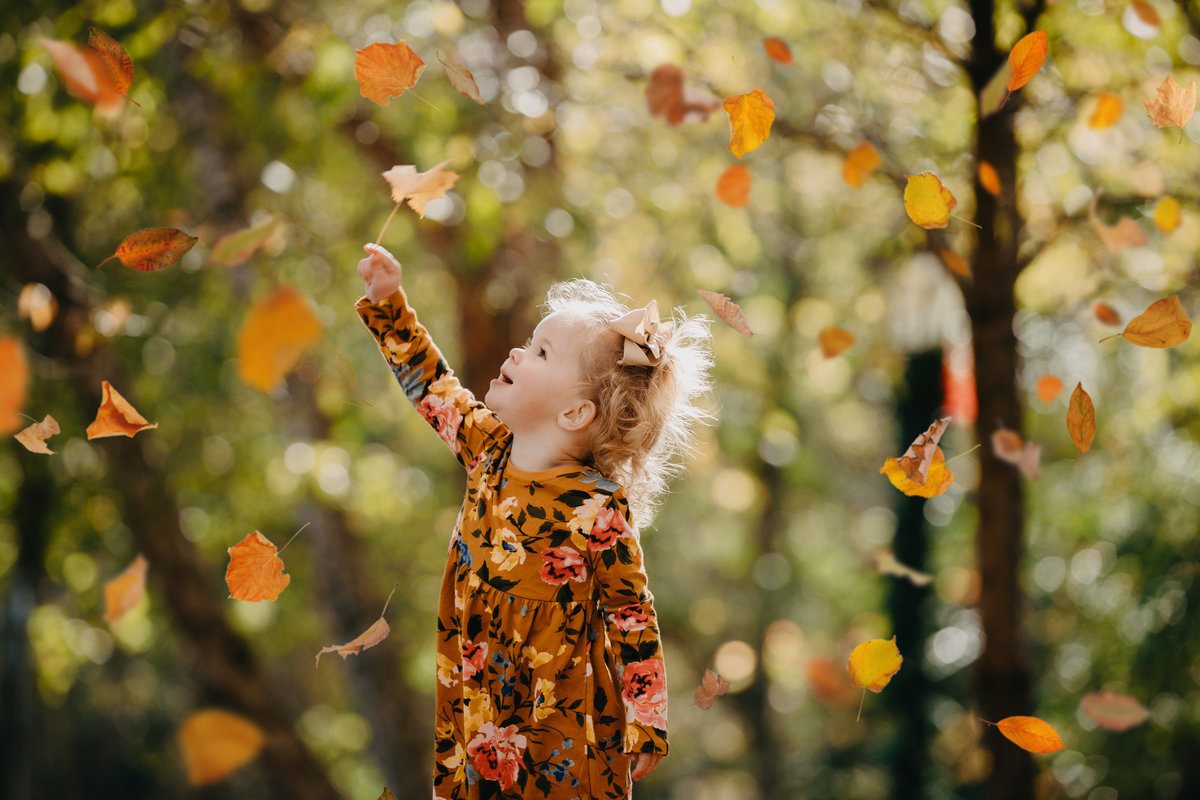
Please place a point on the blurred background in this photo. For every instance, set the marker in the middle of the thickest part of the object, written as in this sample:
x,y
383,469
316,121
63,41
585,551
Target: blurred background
x,y
763,557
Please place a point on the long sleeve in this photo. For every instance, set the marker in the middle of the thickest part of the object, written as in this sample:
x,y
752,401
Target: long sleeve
x,y
465,424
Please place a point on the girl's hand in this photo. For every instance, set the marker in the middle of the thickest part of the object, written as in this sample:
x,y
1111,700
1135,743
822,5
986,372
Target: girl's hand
x,y
381,272
644,764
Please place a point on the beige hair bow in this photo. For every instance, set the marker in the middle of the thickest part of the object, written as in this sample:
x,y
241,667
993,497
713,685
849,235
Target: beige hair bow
x,y
644,335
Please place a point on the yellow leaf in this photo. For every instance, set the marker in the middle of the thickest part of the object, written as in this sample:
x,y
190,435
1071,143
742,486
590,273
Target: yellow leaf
x,y
1163,324
1081,418
34,437
887,564
860,163
255,571
37,304
750,118
1173,105
1109,108
125,591
927,201
1167,214
279,329
834,341
989,179
1026,58
937,480
215,743
872,664
116,416
1030,733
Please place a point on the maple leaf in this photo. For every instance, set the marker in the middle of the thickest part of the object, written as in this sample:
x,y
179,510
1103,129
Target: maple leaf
x,y
750,119
860,163
116,416
873,663
729,311
217,742
114,60
1167,214
1081,418
1026,59
777,49
711,686
1173,105
1008,446
418,188
125,591
733,187
668,96
1115,238
887,564
234,248
280,327
1029,733
255,571
152,249
461,78
1106,314
34,437
372,636
927,202
37,304
1048,388
834,341
989,179
1113,711
1109,108
14,377
1163,324
386,70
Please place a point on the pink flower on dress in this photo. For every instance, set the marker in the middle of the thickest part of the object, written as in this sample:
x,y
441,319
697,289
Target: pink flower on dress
x,y
445,418
644,690
496,753
608,527
630,618
562,564
474,655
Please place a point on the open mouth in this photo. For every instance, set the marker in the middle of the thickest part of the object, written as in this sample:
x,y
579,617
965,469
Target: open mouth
x,y
504,378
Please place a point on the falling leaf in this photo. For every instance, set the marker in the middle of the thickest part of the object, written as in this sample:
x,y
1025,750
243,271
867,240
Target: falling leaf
x,y
729,311
989,179
278,330
1008,446
995,93
387,795
712,686
834,341
1106,314
113,59
733,187
886,564
215,743
916,459
668,96
936,482
1126,233
37,304
1167,214
418,188
829,682
14,376
1109,108
152,249
1163,324
234,248
750,118
1029,733
860,163
369,638
777,49
1026,59
1048,388
927,201
872,664
83,72
116,417
955,263
1173,105
1146,13
386,70
1081,418
461,78
1113,711
34,437
255,571
125,591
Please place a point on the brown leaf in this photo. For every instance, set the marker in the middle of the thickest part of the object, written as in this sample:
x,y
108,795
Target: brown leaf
x,y
37,304
1113,711
234,248
14,377
712,686
834,341
255,571
1126,233
1026,59
1163,324
777,49
215,743
116,417
34,437
937,481
418,188
1008,446
1173,105
369,638
152,249
919,455
729,311
669,97
280,327
1146,13
860,163
750,119
386,70
1106,314
1081,418
733,187
125,591
461,78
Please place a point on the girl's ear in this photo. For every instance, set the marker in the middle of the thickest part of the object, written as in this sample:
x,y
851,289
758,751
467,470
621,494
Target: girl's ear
x,y
576,417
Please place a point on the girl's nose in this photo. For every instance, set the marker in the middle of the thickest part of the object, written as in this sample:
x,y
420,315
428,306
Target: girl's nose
x,y
516,351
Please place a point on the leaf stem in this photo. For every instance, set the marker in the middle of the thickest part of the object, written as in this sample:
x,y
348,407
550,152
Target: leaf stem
x,y
426,102
1106,338
294,535
387,222
395,586
963,219
861,700
964,453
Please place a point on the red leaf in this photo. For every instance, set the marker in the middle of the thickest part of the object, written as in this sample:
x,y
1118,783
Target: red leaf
x,y
152,249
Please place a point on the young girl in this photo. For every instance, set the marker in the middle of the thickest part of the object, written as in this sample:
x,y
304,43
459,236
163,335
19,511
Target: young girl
x,y
550,679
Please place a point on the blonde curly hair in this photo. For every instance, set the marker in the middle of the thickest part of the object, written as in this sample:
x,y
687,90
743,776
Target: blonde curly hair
x,y
645,415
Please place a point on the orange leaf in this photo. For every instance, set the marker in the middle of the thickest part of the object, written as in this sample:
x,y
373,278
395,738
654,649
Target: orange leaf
x,y
777,49
255,571
418,188
834,341
860,163
1173,105
750,118
916,459
1106,314
1008,446
729,311
1030,733
34,437
927,201
14,376
872,664
669,97
733,187
937,481
152,249
1114,712
1163,324
955,263
117,65
1126,233
386,70
125,591
116,417
278,330
886,564
461,78
234,248
1146,13
830,683
1081,418
989,179
1109,108
1026,59
1048,388
37,304
711,686
83,72
1167,214
215,743
369,638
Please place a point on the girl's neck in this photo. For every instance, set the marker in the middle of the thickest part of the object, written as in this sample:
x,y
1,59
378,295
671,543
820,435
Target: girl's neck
x,y
530,454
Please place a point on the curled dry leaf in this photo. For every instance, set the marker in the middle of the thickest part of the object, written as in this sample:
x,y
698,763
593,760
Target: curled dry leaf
x,y
1126,233
1163,324
936,482
37,304
116,416
1113,711
1106,314
1026,58
711,686
1029,733
418,188
733,187
215,743
917,458
461,78
927,202
1081,418
1167,214
1173,106
152,249
255,571
750,119
989,179
729,311
887,564
386,70
34,437
14,377
1008,446
777,49
125,591
234,248
860,163
834,341
279,329
1109,108
668,96
873,663
372,636
1048,388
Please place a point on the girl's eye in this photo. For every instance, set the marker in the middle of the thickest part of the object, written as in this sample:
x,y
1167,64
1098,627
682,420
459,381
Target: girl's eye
x,y
541,352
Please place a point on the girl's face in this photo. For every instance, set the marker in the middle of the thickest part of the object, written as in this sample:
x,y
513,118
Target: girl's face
x,y
541,379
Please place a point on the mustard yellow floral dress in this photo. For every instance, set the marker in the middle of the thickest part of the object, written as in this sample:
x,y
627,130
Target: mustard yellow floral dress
x,y
550,671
